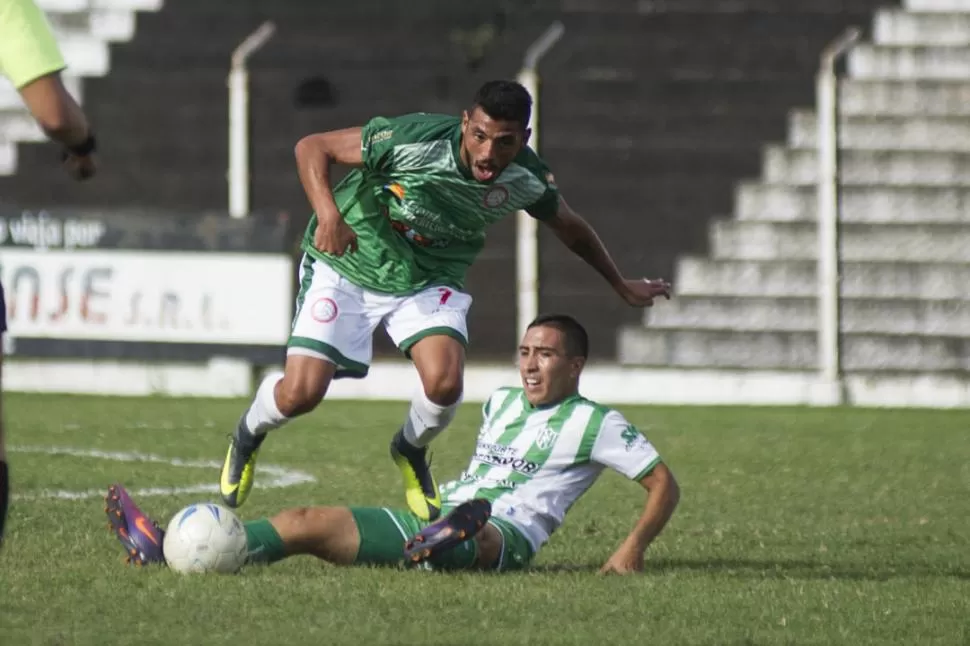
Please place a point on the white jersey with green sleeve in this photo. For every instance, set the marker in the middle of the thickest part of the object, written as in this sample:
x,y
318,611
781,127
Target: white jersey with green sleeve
x,y
533,463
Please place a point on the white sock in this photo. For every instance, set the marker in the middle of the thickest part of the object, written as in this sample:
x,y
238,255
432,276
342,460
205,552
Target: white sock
x,y
426,420
263,414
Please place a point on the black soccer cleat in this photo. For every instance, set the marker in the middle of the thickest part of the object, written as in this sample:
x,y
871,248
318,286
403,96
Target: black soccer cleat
x,y
460,525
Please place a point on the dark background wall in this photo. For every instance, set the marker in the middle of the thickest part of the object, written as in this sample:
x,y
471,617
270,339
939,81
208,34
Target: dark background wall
x,y
652,111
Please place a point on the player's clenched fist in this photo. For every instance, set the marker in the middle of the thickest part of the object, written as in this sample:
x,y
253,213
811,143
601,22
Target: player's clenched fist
x,y
334,236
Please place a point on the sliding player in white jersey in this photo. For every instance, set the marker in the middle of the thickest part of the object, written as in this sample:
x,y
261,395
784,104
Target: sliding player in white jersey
x,y
540,448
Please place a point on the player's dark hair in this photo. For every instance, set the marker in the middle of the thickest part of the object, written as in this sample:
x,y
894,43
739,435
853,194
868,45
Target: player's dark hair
x,y
505,101
577,341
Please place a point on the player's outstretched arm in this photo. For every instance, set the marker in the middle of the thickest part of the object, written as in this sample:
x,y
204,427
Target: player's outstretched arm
x,y
663,494
61,119
315,154
581,239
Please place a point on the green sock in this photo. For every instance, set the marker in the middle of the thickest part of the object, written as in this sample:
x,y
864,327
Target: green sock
x,y
264,542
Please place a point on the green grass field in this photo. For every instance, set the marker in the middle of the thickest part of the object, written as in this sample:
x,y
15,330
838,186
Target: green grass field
x,y
796,526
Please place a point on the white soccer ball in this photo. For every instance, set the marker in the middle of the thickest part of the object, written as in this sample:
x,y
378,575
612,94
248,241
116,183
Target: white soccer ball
x,y
205,538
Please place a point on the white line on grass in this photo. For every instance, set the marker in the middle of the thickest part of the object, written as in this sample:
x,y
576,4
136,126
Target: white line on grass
x,y
279,476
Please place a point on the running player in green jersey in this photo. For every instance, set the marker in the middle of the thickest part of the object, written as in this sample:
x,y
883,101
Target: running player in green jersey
x,y
391,245
31,60
540,448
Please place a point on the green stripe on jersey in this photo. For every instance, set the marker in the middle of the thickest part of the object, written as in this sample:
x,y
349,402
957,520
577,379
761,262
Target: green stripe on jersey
x,y
585,452
508,398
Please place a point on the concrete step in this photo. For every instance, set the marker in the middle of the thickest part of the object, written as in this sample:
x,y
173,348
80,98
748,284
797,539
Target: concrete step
x,y
799,167
63,6
708,7
902,28
8,158
11,99
926,62
752,240
920,98
130,5
788,350
945,6
19,125
876,204
859,316
945,134
85,55
696,276
110,25
76,6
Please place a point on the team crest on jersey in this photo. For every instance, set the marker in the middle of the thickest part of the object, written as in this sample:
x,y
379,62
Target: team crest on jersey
x,y
496,196
547,437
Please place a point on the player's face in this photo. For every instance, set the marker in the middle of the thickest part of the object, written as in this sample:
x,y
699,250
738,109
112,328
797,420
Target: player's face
x,y
487,145
548,374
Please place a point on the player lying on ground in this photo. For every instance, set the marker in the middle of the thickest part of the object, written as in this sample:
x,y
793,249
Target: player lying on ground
x,y
391,245
540,447
32,61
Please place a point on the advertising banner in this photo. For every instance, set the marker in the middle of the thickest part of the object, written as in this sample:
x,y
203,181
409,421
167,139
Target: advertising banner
x,y
149,296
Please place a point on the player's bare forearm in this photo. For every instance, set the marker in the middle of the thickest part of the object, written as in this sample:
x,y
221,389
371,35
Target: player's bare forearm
x,y
55,110
580,238
662,499
315,154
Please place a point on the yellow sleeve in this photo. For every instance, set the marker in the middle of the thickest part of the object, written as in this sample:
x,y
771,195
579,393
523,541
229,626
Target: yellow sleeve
x,y
27,46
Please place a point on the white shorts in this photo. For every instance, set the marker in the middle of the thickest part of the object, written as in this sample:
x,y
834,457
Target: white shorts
x,y
335,319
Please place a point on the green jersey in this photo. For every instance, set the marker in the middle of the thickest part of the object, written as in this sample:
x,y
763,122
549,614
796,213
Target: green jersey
x,y
534,463
419,215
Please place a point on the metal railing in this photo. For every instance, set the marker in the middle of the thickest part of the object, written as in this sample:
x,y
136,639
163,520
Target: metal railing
x,y
238,84
828,211
526,232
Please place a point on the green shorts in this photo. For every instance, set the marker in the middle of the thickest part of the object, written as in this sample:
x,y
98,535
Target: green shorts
x,y
383,533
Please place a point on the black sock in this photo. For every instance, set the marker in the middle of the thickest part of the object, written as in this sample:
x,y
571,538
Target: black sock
x,y
407,449
4,496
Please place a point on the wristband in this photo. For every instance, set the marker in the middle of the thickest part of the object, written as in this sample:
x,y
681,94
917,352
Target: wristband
x,y
84,148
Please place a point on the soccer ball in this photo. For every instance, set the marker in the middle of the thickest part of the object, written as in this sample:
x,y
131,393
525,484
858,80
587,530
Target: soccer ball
x,y
205,538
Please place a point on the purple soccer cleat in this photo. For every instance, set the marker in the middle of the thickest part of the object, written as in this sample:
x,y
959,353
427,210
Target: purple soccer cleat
x,y
460,525
141,537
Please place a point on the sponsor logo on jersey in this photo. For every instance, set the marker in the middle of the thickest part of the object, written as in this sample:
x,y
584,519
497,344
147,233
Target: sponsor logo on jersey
x,y
632,438
497,449
503,483
415,237
380,136
409,212
496,196
511,461
396,190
